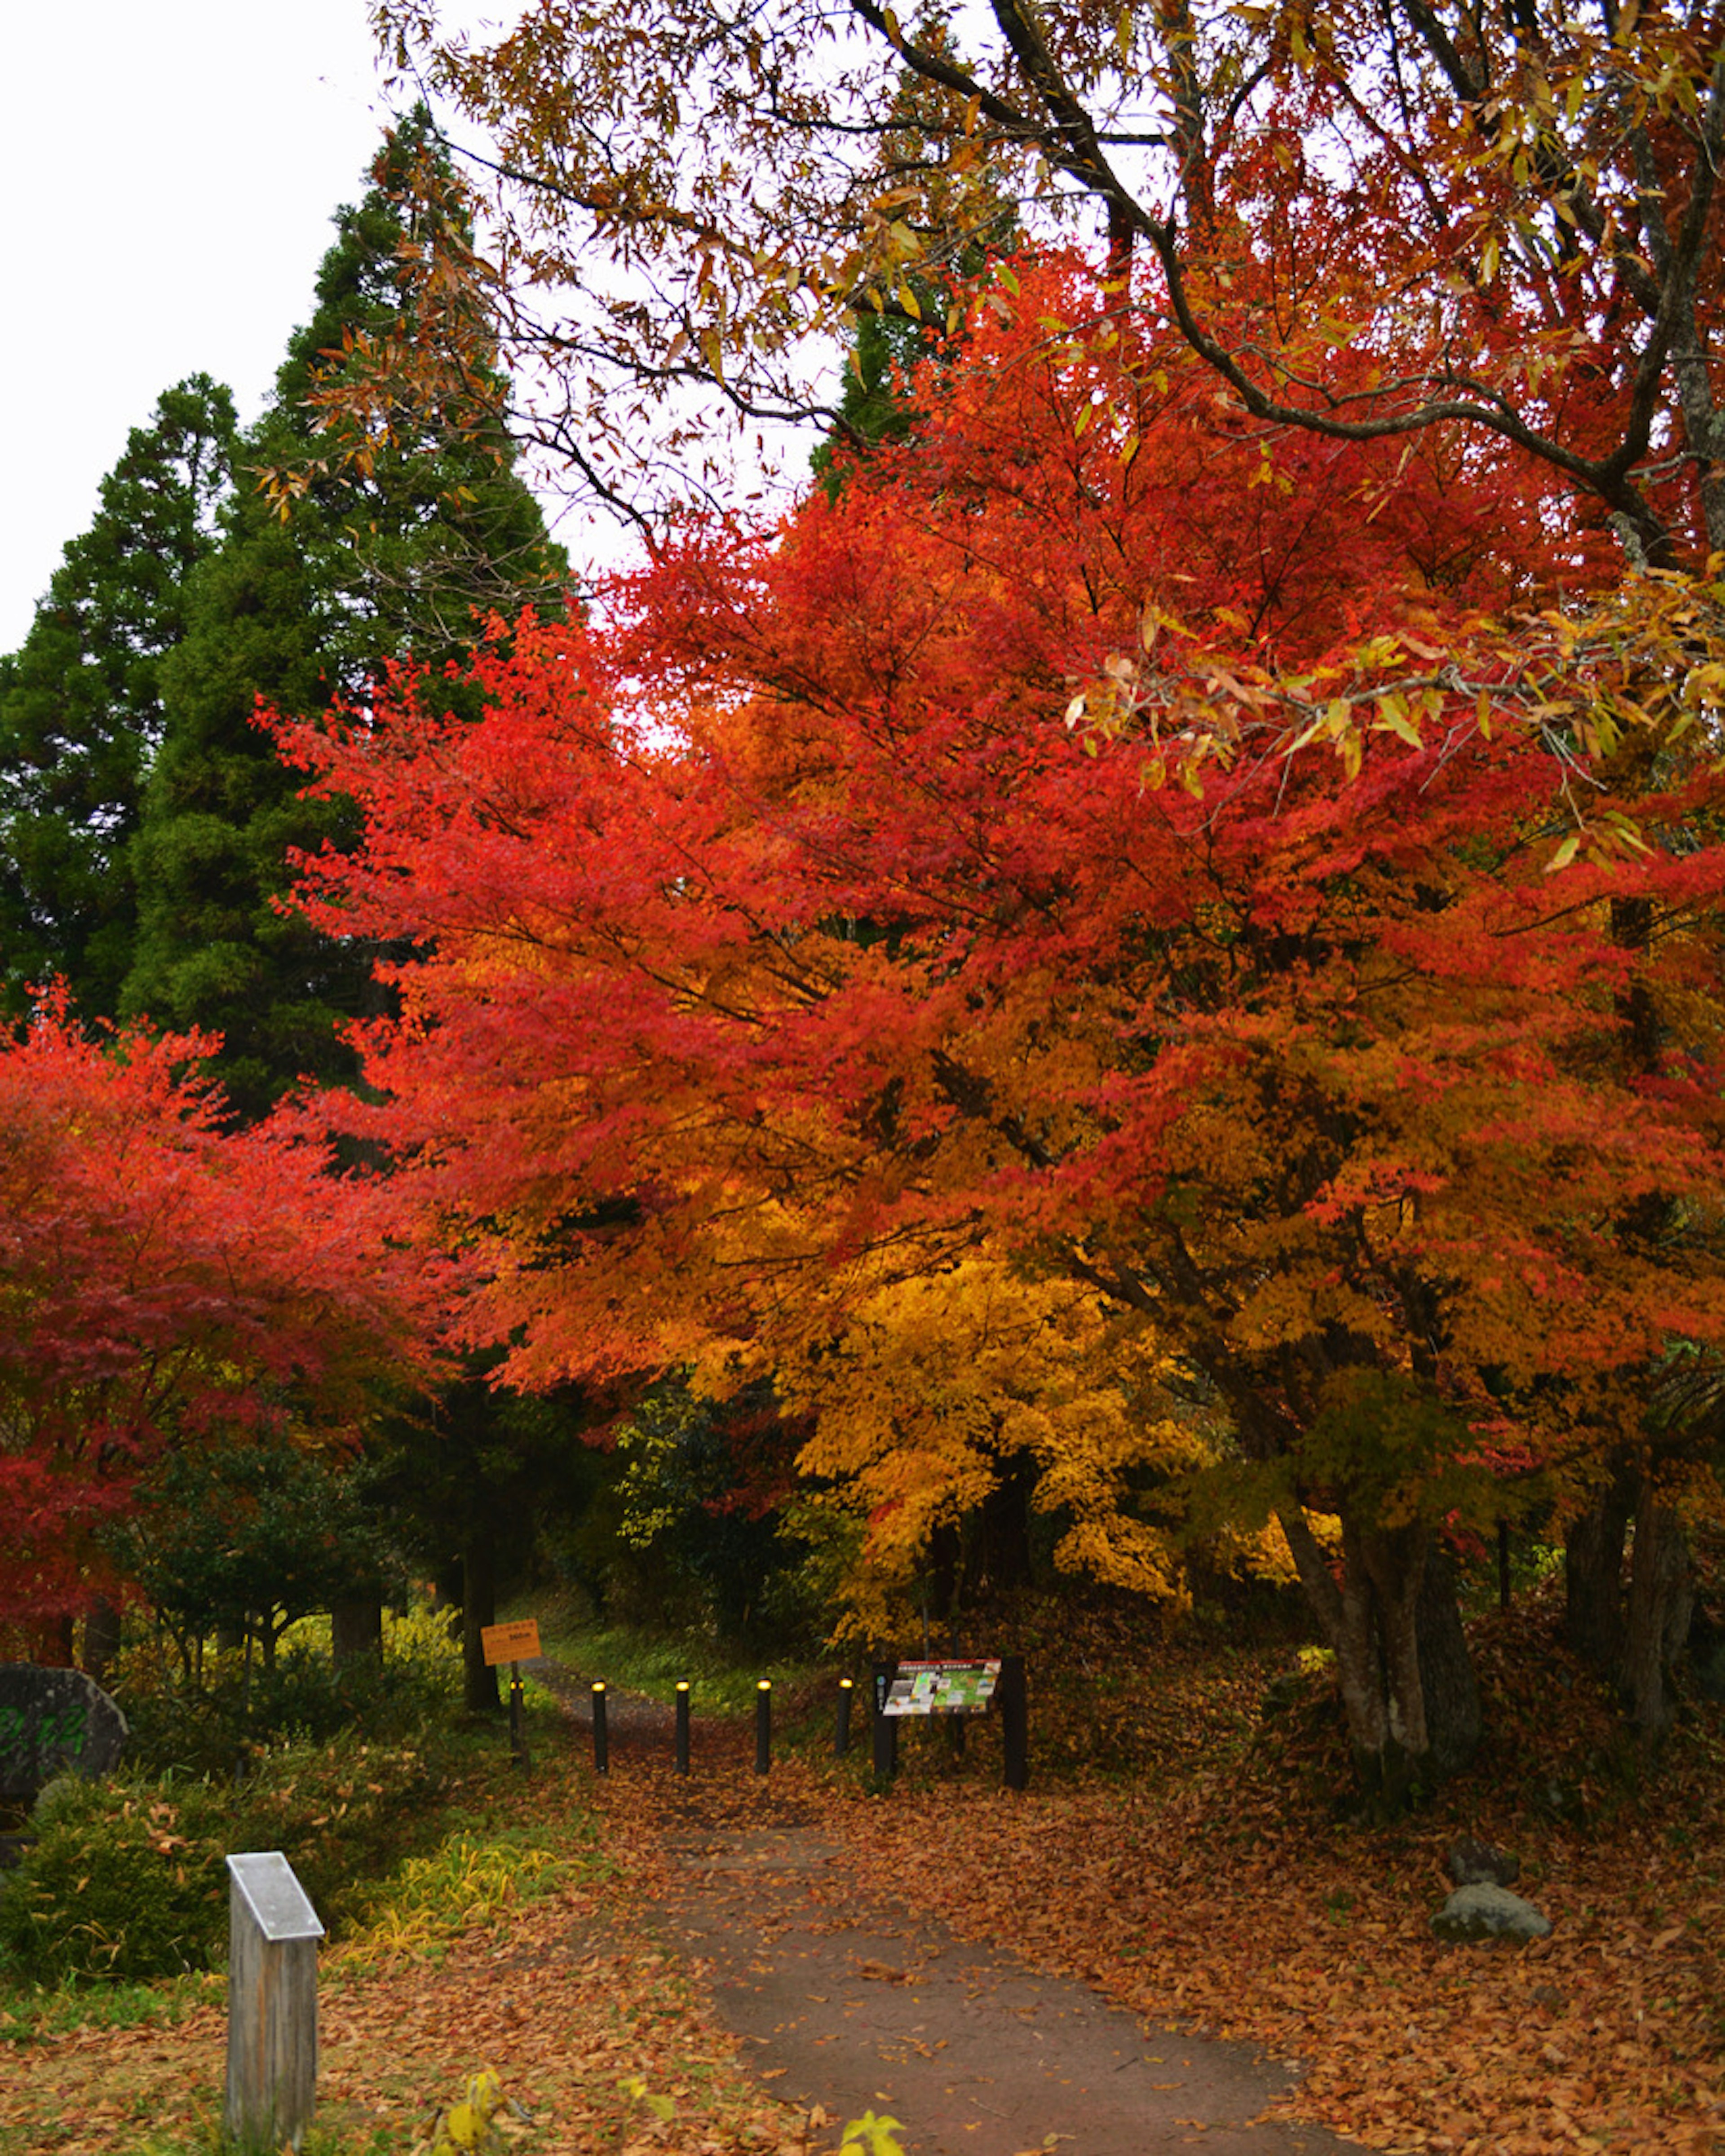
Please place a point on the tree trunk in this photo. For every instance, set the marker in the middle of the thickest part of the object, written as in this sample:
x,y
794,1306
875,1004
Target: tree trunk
x,y
479,1609
999,1557
101,1639
1593,1577
1452,1699
1344,1612
1395,1565
1406,1677
945,1549
1661,1600
356,1633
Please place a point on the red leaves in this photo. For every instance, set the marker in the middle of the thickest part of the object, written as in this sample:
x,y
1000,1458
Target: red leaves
x,y
789,946
163,1279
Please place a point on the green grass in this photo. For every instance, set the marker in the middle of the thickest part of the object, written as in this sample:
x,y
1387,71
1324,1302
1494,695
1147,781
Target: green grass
x,y
723,1680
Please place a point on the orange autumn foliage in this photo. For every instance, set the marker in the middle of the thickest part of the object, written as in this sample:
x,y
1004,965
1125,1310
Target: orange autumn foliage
x,y
783,944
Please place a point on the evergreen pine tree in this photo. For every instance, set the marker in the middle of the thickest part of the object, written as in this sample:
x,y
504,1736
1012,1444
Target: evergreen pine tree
x,y
298,607
80,705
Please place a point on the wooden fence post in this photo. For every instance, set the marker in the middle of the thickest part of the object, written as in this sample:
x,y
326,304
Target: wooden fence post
x,y
273,1933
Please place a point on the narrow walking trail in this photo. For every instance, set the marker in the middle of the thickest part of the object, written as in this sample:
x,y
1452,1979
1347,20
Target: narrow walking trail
x,y
846,1998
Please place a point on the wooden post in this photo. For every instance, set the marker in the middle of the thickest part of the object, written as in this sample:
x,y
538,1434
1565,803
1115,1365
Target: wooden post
x,y
1015,1721
683,1725
885,1727
763,1726
273,1933
601,1735
841,1734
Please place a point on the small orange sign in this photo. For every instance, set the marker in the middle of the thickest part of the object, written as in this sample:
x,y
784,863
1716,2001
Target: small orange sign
x,y
518,1642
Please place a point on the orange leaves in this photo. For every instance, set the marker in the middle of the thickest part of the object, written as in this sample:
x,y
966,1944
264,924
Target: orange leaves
x,y
795,985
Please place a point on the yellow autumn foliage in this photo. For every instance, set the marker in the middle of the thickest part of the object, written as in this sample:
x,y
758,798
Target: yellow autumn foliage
x,y
925,1391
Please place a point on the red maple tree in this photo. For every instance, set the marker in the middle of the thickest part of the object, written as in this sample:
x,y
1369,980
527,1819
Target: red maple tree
x,y
166,1281
964,872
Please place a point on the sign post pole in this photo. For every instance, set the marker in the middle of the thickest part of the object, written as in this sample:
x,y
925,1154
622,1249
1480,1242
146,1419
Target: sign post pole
x,y
513,1643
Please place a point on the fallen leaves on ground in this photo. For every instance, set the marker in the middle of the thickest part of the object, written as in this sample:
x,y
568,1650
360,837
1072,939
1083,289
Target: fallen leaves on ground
x,y
1221,1892
1237,1899
587,2023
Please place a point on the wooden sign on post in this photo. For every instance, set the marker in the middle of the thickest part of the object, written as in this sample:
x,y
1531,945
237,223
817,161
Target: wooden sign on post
x,y
512,1643
272,1933
518,1642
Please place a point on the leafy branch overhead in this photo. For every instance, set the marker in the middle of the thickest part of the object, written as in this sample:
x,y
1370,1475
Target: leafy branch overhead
x,y
1366,221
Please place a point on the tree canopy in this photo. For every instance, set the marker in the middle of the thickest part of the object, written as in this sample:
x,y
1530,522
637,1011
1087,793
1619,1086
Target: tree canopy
x,y
302,609
1366,222
782,952
166,1285
80,704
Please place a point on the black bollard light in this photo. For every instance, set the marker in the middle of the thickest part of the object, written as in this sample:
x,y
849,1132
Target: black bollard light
x,y
763,1726
841,1734
683,1726
600,1740
517,1733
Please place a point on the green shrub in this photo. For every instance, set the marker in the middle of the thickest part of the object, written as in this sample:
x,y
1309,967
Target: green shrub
x,y
115,1886
204,1724
126,1879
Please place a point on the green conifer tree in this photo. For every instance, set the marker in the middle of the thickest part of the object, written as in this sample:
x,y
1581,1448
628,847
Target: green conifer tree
x,y
298,607
80,706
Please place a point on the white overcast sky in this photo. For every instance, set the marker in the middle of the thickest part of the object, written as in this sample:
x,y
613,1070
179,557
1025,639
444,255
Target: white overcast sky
x,y
171,166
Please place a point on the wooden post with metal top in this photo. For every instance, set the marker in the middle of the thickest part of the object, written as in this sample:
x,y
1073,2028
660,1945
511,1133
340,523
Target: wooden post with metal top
x,y
272,2003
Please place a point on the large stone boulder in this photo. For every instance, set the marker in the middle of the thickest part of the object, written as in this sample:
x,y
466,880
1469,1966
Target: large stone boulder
x,y
1486,1912
53,1721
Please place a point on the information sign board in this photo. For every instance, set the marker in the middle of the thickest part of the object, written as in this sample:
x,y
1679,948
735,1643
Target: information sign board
x,y
518,1642
941,1688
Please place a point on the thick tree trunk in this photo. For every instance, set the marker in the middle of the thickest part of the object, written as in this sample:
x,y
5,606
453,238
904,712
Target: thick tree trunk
x,y
1453,1721
1661,1601
1395,1565
1593,1577
1402,1661
356,1633
101,1640
1344,1612
479,1609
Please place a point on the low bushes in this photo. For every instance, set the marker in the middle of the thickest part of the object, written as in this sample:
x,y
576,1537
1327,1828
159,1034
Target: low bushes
x,y
126,1878
202,1722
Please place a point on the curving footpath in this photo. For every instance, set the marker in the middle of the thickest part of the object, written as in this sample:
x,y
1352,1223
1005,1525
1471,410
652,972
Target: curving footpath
x,y
846,2000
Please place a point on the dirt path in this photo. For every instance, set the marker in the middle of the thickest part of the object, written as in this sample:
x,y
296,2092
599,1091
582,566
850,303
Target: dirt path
x,y
847,1999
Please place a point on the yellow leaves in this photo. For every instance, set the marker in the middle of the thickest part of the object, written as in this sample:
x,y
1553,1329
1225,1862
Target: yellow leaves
x,y
468,2128
869,2136
925,1390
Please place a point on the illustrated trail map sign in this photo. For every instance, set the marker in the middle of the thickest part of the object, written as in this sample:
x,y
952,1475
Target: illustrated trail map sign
x,y
941,1688
518,1642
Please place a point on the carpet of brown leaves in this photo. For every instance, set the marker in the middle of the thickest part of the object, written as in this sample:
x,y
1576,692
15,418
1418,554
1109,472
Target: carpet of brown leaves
x,y
1220,1883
